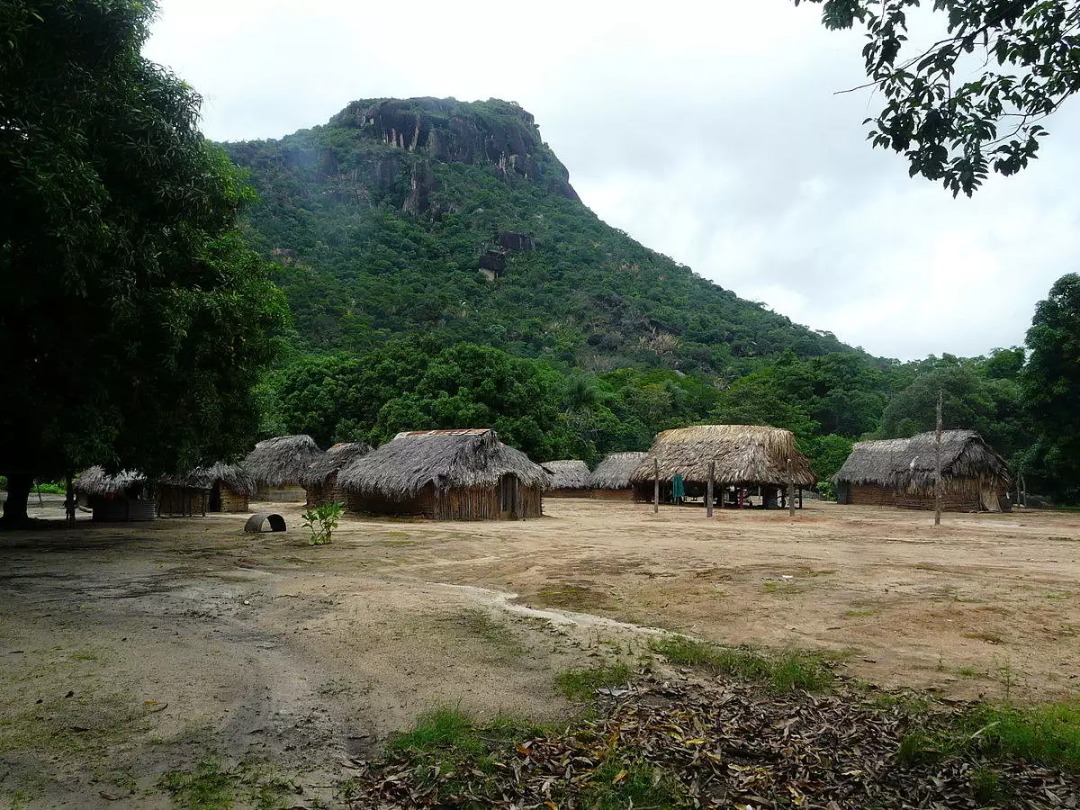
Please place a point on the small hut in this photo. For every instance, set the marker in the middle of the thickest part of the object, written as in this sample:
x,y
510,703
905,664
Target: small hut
x,y
569,479
611,479
752,464
445,475
278,467
321,478
217,488
902,472
117,498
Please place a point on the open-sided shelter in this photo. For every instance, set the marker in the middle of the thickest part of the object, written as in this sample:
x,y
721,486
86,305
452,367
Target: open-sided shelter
x,y
321,478
219,487
569,479
611,478
463,474
278,466
748,460
902,472
115,498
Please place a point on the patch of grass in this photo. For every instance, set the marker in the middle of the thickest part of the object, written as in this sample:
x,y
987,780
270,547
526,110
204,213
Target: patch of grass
x,y
990,786
1048,734
206,787
780,671
84,724
441,729
211,786
619,784
1055,595
967,672
581,684
577,598
480,623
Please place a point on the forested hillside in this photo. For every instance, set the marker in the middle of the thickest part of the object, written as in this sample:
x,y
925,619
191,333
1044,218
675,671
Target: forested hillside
x,y
455,219
442,272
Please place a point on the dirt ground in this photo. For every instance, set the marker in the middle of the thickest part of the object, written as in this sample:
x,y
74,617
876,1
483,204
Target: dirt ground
x,y
131,651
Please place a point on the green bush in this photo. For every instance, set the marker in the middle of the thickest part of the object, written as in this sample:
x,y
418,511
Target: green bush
x,y
322,520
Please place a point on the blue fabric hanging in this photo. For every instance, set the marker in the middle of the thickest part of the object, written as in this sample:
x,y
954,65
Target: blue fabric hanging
x,y
678,491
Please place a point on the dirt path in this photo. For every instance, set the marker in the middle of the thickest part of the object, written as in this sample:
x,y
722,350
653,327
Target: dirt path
x,y
186,638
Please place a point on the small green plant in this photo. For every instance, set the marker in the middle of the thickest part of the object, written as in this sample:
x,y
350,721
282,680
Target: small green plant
x,y
322,520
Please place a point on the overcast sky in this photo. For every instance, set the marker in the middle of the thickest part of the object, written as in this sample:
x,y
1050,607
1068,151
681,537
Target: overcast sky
x,y
715,136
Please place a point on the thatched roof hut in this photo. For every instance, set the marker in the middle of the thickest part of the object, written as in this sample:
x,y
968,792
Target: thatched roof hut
x,y
278,466
321,477
611,478
901,472
219,487
568,477
745,456
115,497
465,474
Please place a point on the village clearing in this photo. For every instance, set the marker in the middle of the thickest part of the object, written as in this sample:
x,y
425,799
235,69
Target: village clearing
x,y
141,664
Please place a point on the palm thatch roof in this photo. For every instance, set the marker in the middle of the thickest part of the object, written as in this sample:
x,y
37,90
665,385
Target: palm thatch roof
x,y
614,471
567,474
230,475
96,482
448,459
744,454
336,458
282,460
909,464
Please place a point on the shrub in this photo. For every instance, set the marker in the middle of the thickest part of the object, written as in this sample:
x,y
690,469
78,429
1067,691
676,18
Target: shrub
x,y
322,520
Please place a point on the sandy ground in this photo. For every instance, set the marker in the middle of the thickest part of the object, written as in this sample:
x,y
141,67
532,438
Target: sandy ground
x,y
129,651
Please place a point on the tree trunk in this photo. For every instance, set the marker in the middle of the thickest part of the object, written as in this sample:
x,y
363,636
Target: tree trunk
x,y
18,493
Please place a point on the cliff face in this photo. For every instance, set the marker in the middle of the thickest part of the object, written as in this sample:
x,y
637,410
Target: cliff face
x,y
499,133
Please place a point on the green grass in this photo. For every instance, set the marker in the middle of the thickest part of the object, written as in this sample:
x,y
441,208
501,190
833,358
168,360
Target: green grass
x,y
618,784
1048,734
211,786
441,729
779,671
479,623
581,684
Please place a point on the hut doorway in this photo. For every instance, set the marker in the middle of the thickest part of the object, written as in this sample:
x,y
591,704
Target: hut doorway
x,y
509,496
214,503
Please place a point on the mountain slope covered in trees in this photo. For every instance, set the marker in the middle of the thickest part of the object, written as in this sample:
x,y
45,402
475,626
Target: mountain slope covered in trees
x,y
456,220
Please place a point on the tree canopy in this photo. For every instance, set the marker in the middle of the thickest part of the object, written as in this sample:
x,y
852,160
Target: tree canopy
x,y
133,318
971,100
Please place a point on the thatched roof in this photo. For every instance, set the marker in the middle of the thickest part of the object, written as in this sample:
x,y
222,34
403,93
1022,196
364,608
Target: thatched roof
x,y
614,471
448,458
909,464
567,474
230,475
336,458
95,481
744,454
282,460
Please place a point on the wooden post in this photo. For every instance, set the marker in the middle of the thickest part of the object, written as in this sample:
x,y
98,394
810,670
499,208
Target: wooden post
x,y
656,486
937,464
709,489
790,489
69,499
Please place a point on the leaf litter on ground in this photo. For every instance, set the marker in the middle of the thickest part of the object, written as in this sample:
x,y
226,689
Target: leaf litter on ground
x,y
684,741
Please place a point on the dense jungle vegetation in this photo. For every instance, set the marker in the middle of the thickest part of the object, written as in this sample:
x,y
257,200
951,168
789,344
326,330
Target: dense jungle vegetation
x,y
442,272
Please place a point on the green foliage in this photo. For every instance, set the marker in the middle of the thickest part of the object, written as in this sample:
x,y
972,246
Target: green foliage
x,y
1051,387
49,488
581,684
321,521
132,315
212,786
778,671
993,66
441,729
1047,734
622,783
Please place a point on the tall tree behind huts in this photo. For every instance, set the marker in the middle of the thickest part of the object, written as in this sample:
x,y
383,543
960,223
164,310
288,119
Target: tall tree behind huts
x,y
133,320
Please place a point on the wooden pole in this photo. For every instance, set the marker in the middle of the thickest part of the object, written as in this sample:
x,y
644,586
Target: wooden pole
x,y
937,464
656,486
709,489
790,489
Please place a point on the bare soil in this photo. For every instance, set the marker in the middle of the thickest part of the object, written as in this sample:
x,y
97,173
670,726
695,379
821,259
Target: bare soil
x,y
131,651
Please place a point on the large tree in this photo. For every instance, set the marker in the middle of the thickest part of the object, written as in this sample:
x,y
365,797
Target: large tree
x,y
133,319
1051,382
970,101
